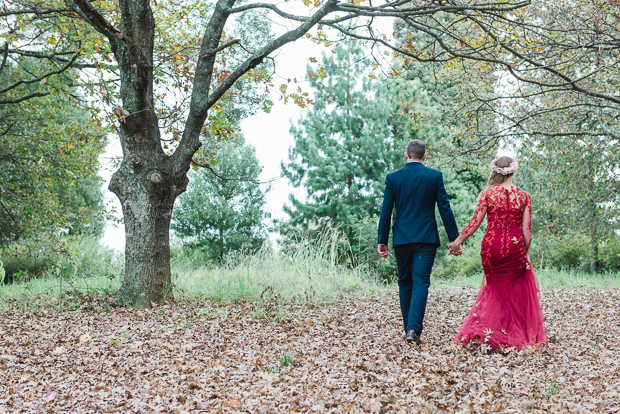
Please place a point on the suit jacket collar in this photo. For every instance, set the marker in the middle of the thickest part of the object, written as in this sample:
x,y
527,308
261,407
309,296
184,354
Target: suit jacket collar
x,y
413,164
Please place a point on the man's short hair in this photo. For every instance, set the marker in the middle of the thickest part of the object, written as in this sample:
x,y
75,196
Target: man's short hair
x,y
416,149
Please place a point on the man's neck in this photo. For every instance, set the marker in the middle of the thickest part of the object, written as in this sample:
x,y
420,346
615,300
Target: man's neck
x,y
408,161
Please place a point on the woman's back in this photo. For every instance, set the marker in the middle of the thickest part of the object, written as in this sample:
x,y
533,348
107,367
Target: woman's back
x,y
505,206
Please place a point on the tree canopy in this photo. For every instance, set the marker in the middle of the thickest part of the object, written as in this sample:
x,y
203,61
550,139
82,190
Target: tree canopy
x,y
48,166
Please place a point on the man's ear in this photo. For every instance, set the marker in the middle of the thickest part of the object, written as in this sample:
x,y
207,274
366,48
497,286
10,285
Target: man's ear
x,y
406,156
424,157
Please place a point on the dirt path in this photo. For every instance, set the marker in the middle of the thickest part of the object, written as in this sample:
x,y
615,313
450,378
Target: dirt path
x,y
344,358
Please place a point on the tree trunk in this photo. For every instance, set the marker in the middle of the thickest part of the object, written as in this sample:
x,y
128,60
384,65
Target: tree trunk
x,y
147,188
148,181
593,220
593,243
221,245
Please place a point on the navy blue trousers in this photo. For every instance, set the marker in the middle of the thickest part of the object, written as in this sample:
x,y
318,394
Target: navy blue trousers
x,y
415,263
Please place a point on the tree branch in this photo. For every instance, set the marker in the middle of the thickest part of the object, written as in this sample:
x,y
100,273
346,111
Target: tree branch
x,y
288,16
222,47
4,58
222,178
24,98
39,79
33,11
96,20
201,102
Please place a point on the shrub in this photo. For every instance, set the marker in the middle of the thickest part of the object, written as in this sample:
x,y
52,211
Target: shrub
x,y
83,256
609,255
365,250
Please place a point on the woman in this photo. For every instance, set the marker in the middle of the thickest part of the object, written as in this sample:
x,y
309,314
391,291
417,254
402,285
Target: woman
x,y
506,312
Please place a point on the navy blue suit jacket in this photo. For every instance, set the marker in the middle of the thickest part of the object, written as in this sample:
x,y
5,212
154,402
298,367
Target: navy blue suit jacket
x,y
414,190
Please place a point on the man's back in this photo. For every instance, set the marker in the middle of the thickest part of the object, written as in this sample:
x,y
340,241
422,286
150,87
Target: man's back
x,y
414,190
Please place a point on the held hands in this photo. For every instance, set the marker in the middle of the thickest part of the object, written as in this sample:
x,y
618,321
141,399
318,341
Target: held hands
x,y
455,248
383,250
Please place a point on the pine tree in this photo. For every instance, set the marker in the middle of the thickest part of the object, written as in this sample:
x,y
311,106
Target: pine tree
x,y
221,216
343,147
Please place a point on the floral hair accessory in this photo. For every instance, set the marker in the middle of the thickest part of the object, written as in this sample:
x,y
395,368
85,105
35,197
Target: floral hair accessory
x,y
506,170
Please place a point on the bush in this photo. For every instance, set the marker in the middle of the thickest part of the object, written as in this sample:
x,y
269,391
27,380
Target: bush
x,y
91,258
22,263
609,255
83,256
572,252
467,264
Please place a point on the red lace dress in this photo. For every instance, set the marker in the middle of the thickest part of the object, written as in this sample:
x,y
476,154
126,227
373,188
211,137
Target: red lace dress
x,y
507,312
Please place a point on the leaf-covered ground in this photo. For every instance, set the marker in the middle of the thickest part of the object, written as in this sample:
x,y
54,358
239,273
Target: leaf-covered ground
x,y
340,358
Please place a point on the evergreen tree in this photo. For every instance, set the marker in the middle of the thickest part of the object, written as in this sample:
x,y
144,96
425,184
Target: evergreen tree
x,y
343,147
357,133
222,216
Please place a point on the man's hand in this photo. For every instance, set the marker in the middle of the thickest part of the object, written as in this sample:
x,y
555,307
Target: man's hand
x,y
383,250
455,249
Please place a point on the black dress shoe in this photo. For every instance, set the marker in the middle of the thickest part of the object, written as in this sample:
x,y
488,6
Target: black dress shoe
x,y
413,337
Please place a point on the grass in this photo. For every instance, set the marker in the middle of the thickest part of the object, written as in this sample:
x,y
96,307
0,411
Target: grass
x,y
304,273
273,276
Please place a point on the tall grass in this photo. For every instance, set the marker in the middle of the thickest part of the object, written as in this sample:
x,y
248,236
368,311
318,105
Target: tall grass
x,y
304,271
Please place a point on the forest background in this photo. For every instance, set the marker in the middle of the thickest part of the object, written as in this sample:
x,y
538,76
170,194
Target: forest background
x,y
357,114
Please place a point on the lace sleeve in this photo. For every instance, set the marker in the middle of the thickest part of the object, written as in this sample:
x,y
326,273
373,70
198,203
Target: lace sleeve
x,y
527,223
476,221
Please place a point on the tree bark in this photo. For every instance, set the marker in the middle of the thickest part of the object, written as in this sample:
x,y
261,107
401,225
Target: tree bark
x,y
593,220
147,188
221,245
594,252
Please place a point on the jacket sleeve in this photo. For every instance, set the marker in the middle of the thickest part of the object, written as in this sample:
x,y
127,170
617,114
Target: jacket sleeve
x,y
385,218
443,203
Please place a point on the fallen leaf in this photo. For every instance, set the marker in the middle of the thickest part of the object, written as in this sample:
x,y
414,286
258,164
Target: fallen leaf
x,y
84,338
232,403
351,352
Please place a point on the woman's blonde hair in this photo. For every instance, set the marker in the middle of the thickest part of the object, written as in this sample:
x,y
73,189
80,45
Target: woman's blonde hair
x,y
496,178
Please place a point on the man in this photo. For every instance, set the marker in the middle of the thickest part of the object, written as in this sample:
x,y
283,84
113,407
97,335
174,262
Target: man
x,y
414,190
